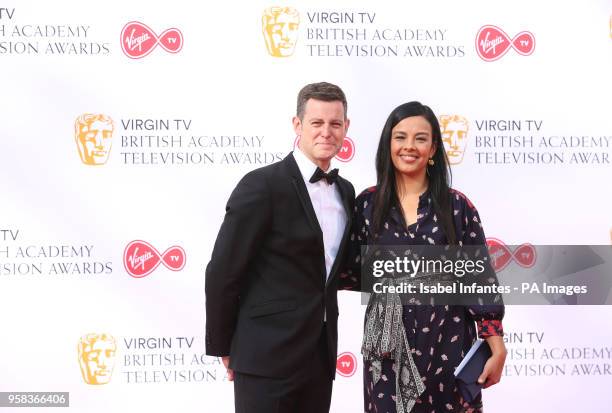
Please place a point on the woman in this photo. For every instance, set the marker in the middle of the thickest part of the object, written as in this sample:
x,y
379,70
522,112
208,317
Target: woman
x,y
412,204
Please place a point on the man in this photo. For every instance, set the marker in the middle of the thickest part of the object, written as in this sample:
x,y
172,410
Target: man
x,y
271,284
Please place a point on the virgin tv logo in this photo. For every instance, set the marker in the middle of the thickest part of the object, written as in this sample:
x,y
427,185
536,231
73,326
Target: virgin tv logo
x,y
501,255
346,364
492,43
138,40
140,258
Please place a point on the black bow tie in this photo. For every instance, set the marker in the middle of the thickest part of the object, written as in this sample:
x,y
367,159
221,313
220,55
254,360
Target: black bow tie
x,y
330,177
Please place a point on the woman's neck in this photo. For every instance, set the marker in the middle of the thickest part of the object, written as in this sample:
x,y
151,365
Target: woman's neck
x,y
410,185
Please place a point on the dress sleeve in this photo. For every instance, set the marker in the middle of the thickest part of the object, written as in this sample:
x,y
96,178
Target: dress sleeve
x,y
488,317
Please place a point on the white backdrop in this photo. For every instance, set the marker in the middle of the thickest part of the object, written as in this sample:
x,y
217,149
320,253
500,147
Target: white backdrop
x,y
223,83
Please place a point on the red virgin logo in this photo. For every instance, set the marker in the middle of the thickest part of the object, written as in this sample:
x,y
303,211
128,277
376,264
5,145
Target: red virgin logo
x,y
346,364
492,43
347,151
138,40
501,255
140,258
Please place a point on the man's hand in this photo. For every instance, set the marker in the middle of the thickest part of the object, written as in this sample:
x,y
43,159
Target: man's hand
x,y
230,372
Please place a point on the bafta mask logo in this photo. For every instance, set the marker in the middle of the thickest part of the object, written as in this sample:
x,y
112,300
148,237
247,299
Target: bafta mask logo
x,y
94,134
97,357
280,30
454,135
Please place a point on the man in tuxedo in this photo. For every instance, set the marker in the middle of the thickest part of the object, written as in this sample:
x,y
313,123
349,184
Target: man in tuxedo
x,y
272,281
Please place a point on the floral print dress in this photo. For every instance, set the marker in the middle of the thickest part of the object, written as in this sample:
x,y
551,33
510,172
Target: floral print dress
x,y
438,336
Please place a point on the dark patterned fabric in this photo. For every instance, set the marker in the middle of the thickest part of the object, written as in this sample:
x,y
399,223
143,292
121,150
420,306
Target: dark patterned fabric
x,y
438,336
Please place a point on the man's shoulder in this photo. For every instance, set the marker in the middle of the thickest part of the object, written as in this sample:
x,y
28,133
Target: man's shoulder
x,y
267,170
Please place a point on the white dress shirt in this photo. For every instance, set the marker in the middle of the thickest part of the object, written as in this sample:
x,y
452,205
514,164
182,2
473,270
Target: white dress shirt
x,y
327,204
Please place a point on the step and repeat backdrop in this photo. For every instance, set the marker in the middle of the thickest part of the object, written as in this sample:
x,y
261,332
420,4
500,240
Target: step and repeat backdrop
x,y
124,126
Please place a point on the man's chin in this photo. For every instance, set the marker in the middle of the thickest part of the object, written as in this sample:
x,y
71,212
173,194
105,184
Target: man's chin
x,y
326,156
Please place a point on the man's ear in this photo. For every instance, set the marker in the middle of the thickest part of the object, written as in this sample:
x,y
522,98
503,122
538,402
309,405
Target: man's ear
x,y
297,126
347,122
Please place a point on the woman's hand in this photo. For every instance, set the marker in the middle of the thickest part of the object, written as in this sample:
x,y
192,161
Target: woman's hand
x,y
492,372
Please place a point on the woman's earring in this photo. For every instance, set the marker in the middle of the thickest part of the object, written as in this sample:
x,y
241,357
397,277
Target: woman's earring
x,y
431,162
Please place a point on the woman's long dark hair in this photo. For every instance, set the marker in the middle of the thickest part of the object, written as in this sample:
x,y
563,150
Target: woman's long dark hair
x,y
439,173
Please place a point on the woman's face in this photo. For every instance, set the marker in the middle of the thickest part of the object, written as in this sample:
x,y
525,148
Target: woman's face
x,y
412,146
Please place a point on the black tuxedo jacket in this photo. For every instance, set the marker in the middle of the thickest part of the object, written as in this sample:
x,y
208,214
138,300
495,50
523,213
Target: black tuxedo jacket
x,y
266,287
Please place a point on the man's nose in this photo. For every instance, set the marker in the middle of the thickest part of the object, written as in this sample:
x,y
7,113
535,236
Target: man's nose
x,y
326,131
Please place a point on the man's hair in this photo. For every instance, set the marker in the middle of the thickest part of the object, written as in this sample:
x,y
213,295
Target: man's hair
x,y
324,91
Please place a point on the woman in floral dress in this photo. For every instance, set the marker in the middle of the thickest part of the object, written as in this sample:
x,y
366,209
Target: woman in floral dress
x,y
412,204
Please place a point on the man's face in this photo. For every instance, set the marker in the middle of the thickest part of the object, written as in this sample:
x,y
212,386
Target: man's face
x,y
454,136
322,129
95,140
97,361
281,32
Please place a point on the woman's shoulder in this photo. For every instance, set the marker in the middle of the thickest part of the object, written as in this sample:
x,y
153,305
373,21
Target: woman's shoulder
x,y
364,199
460,200
367,193
463,208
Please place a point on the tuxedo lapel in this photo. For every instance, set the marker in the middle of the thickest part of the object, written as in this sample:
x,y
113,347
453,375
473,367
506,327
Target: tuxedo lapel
x,y
346,201
302,193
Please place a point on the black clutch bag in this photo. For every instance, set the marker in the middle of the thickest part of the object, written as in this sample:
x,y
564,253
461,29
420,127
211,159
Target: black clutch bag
x,y
467,373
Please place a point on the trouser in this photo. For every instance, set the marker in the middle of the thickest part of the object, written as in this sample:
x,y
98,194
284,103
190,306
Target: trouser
x,y
308,390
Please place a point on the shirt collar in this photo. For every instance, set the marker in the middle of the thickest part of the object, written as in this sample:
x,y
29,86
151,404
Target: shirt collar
x,y
306,166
